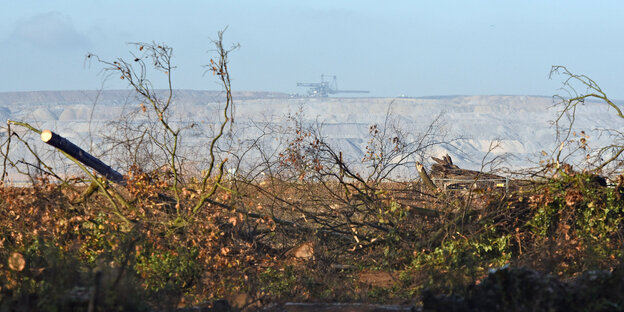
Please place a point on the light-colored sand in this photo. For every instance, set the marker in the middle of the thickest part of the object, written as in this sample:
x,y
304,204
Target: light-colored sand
x,y
522,124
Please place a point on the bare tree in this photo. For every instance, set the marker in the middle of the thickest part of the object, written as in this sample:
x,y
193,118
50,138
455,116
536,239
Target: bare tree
x,y
581,90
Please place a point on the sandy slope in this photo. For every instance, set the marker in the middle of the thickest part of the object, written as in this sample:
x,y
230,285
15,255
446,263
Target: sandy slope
x,y
522,124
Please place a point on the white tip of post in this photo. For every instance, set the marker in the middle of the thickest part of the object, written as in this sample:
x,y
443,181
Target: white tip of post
x,y
46,135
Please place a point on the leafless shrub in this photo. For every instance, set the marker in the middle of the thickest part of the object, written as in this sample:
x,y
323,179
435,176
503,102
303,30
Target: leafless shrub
x,y
573,146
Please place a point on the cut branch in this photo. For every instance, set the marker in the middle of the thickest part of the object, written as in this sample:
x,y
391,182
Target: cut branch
x,y
78,153
425,177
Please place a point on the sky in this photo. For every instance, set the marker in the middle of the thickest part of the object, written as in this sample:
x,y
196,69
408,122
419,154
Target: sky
x,y
391,48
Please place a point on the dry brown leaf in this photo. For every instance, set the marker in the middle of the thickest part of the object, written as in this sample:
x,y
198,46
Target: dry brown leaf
x,y
17,262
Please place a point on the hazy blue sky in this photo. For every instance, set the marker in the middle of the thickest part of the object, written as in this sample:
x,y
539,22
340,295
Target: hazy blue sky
x,y
416,48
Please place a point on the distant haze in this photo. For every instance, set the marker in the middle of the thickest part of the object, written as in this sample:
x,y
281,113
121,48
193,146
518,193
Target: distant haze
x,y
520,124
391,48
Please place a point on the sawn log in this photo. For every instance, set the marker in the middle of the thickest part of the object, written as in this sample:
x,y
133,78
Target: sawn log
x,y
89,160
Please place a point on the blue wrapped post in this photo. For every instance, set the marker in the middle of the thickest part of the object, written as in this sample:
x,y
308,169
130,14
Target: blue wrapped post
x,y
78,153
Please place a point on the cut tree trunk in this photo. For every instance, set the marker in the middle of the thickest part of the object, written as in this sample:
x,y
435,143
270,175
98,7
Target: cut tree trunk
x,y
79,154
425,177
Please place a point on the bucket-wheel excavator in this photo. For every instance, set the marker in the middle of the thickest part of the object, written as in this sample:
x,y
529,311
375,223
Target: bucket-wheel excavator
x,y
325,87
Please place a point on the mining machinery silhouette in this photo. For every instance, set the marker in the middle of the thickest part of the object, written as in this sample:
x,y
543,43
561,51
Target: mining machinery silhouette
x,y
325,87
